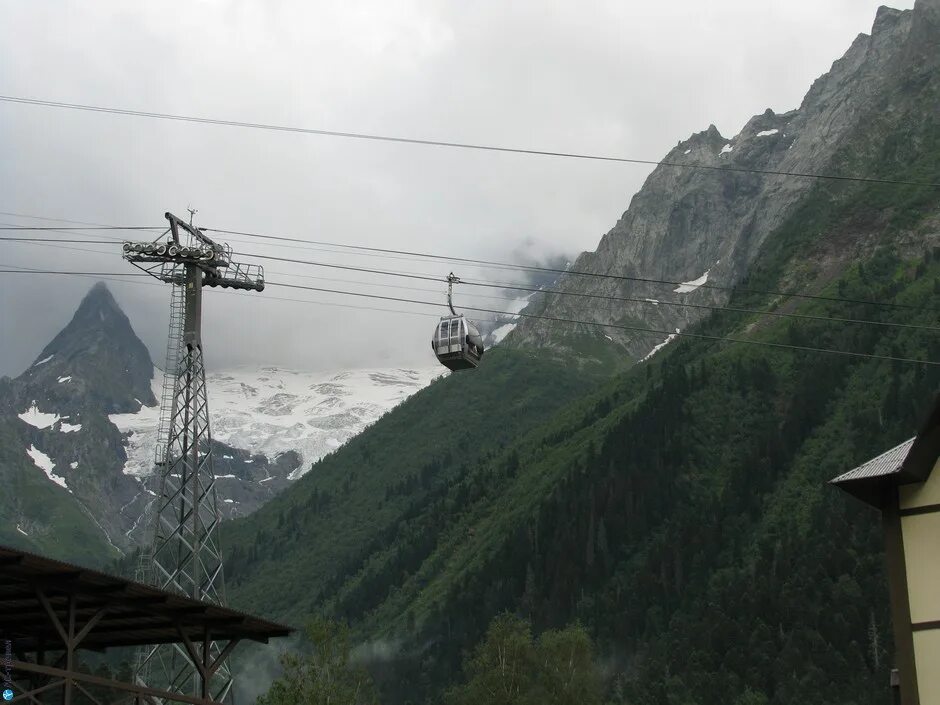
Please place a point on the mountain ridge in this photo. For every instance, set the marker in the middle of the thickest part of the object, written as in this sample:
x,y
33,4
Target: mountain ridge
x,y
686,224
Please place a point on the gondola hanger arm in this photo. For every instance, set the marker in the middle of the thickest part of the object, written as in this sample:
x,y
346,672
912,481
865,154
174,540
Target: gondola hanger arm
x,y
451,280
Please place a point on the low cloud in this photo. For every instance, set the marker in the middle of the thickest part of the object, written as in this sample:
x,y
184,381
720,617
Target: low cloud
x,y
594,77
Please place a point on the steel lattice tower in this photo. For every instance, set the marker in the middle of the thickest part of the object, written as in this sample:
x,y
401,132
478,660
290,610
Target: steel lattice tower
x,y
184,554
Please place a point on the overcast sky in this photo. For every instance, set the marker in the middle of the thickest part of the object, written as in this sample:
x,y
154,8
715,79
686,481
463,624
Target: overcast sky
x,y
624,78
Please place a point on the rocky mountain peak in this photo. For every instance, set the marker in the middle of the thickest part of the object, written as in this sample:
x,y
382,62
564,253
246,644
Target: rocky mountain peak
x,y
96,359
885,18
97,310
708,225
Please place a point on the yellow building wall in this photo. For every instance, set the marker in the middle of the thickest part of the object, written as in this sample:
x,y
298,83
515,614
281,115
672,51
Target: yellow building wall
x,y
922,494
921,534
927,660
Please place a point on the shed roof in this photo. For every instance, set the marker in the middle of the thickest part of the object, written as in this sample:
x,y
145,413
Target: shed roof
x,y
134,614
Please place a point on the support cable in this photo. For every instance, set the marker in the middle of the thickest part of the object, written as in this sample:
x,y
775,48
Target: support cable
x,y
452,144
558,319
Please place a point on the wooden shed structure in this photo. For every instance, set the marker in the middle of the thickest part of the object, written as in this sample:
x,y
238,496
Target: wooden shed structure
x,y
50,610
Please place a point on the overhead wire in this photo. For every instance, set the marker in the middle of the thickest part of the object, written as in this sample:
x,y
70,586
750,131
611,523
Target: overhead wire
x,y
709,307
651,302
573,272
700,336
451,144
63,228
47,239
267,297
43,242
378,251
29,216
557,319
551,292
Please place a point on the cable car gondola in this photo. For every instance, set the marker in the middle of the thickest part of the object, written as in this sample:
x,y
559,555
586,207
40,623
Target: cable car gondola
x,y
456,342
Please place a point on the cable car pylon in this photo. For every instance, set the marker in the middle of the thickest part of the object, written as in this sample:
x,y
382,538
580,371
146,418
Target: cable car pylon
x,y
183,555
457,342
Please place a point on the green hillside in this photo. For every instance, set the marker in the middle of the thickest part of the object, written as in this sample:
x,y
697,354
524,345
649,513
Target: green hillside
x,y
678,510
683,517
350,507
40,516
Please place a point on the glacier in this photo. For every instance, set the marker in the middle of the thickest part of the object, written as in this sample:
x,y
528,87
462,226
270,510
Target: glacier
x,y
271,410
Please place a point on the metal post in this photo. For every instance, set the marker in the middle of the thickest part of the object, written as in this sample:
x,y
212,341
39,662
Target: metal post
x,y
204,671
69,653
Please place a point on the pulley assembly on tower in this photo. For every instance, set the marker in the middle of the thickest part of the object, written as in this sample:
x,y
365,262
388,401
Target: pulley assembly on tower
x,y
457,341
166,259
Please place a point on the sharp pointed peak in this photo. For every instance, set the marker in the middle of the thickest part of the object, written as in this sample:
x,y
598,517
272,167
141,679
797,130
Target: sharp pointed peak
x,y
99,297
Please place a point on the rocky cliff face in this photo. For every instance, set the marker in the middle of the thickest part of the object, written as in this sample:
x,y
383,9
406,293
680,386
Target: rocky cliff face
x,y
707,225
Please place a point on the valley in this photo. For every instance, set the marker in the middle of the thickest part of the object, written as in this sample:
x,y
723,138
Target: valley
x,y
627,497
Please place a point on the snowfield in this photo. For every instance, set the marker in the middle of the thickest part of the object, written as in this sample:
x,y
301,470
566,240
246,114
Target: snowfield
x,y
270,410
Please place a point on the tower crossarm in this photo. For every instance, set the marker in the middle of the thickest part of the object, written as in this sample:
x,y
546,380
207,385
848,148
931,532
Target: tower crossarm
x,y
167,257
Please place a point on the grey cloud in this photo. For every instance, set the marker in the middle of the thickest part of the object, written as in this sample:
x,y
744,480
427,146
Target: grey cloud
x,y
623,78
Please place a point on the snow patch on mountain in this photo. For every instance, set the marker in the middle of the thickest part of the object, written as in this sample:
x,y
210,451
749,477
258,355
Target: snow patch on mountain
x,y
501,332
271,410
657,348
686,287
38,419
498,334
46,464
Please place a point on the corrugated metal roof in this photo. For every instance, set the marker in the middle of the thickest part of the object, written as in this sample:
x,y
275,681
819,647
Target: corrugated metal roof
x,y
888,463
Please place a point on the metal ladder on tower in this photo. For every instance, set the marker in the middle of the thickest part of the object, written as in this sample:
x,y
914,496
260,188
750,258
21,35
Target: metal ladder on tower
x,y
144,572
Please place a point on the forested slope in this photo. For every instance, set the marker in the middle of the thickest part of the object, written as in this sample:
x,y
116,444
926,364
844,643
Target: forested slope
x,y
684,517
354,503
678,509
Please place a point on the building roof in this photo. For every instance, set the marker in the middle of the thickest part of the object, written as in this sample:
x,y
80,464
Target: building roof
x,y
888,463
134,613
912,461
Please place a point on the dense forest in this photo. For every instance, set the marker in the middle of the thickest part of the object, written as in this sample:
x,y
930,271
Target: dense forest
x,y
678,510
